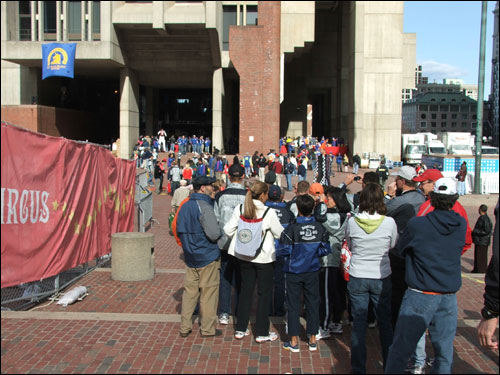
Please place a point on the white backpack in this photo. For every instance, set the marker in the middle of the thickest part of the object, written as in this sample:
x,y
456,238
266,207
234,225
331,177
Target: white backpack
x,y
249,238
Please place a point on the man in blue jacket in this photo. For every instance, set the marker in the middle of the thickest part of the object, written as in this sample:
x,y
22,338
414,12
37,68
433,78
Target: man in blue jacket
x,y
198,231
432,246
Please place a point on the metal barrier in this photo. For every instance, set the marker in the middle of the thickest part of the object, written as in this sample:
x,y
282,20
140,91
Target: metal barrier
x,y
26,295
143,200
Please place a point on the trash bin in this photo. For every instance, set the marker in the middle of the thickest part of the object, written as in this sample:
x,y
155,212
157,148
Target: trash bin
x,y
132,256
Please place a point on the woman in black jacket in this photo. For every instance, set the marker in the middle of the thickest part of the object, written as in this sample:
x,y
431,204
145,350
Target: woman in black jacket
x,y
481,238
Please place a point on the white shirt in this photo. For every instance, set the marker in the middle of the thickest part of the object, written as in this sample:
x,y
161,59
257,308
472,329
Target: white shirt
x,y
271,222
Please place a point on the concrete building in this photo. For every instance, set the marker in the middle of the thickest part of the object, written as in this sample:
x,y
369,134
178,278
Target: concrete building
x,y
438,112
242,72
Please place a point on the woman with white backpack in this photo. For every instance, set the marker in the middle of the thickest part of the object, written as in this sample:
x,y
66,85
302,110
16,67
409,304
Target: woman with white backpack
x,y
253,228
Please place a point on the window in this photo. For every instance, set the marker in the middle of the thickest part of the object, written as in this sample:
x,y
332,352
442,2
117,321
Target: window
x,y
433,99
453,124
465,116
443,99
464,125
433,116
473,125
474,117
433,107
96,20
433,124
423,124
423,116
423,107
464,108
229,19
444,116
454,116
454,108
25,20
49,16
444,108
75,20
443,124
251,14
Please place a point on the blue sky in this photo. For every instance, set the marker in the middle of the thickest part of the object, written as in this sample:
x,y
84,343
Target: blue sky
x,y
448,39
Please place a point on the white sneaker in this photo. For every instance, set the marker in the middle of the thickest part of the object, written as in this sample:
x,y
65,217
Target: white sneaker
x,y
336,328
322,334
238,335
372,325
273,336
224,319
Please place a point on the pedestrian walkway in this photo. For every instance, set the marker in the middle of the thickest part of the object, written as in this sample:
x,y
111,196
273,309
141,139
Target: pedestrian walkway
x,y
133,327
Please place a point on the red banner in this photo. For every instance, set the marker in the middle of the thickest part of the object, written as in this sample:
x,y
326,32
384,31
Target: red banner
x,y
335,150
61,201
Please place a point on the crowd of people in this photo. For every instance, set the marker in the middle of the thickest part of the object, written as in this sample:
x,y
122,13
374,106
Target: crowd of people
x,y
238,234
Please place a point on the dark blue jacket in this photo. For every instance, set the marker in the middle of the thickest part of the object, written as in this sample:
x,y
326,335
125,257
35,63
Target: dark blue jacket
x,y
303,242
198,231
432,245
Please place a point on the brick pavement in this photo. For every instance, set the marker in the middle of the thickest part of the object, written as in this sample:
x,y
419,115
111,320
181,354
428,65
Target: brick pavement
x,y
132,327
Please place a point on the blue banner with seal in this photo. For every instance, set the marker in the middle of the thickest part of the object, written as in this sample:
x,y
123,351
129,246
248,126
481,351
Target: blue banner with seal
x,y
58,59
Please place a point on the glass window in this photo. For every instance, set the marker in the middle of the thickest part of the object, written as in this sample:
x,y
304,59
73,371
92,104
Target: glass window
x,y
453,124
229,19
423,116
474,117
433,107
423,124
252,15
464,108
443,124
433,116
96,20
25,20
464,124
75,20
443,116
49,16
444,108
454,108
454,116
465,116
423,107
433,124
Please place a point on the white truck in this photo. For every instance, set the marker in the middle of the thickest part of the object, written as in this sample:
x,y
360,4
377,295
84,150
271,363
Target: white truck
x,y
457,143
435,147
412,148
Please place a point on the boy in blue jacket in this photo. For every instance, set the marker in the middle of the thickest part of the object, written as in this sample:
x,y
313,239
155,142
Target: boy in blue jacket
x,y
303,242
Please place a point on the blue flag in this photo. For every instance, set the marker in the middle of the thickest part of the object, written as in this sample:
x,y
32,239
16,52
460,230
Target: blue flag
x,y
58,60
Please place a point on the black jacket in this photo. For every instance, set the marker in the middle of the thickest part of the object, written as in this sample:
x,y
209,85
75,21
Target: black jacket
x,y
491,279
482,231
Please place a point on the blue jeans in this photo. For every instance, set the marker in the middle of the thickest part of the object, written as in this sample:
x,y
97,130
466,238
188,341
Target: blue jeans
x,y
355,168
313,164
302,178
361,291
419,356
461,188
288,181
438,314
229,276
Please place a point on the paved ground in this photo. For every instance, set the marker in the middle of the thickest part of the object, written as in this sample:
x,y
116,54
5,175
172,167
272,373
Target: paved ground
x,y
132,327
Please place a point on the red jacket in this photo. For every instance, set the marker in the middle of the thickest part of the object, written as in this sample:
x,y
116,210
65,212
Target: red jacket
x,y
426,207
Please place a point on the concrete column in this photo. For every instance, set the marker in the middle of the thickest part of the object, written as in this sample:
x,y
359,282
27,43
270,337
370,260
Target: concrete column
x,y
65,20
217,94
90,12
129,112
83,20
58,21
40,21
149,111
33,20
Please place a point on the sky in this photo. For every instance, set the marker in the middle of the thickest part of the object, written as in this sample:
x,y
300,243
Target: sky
x,y
448,39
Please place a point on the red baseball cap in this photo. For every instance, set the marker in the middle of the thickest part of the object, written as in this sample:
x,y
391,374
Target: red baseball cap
x,y
429,174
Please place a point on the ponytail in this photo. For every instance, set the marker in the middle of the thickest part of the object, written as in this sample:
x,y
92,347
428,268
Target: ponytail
x,y
257,189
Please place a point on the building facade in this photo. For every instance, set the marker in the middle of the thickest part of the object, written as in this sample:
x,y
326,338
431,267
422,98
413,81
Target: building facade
x,y
241,72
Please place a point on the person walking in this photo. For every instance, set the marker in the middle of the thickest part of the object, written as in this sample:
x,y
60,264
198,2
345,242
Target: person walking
x,y
198,231
461,177
383,174
356,160
257,269
370,234
433,278
225,203
304,241
481,235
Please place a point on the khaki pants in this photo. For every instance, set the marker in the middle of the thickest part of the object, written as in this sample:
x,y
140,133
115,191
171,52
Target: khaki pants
x,y
201,284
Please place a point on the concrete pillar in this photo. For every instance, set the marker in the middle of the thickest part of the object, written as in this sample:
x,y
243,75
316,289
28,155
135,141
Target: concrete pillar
x,y
217,95
132,256
149,111
309,119
129,112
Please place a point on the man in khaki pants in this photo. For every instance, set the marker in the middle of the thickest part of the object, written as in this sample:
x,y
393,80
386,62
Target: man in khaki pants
x,y
198,231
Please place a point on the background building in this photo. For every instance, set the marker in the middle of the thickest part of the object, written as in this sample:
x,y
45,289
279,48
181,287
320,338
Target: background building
x,y
242,72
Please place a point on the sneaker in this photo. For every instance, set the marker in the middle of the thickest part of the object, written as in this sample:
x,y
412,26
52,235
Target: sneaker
x,y
273,336
372,325
288,346
322,334
336,328
415,369
224,319
312,346
239,335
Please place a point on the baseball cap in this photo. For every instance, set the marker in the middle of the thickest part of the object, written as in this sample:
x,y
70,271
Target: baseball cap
x,y
270,177
316,189
445,186
406,172
429,174
236,170
202,181
274,192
